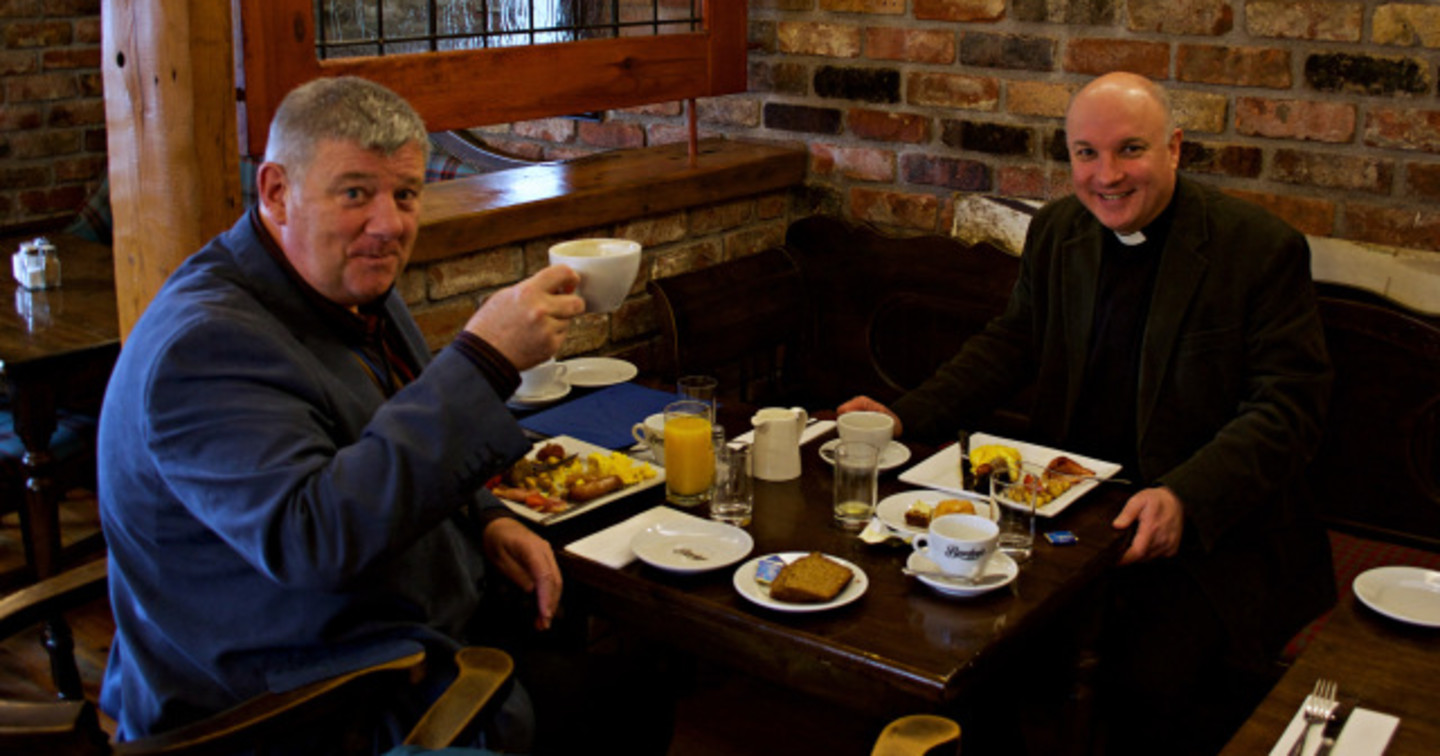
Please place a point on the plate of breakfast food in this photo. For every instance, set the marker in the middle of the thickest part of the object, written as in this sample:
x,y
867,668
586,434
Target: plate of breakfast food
x,y
910,512
800,581
1060,478
563,476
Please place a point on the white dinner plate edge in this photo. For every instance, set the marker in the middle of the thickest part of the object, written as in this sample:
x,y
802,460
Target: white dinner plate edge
x,y
1391,575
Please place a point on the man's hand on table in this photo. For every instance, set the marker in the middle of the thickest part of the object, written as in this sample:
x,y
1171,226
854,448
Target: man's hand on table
x,y
528,561
1161,522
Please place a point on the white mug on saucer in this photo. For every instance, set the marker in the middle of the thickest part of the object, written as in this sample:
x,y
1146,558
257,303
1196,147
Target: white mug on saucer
x,y
873,428
542,380
651,433
607,269
959,544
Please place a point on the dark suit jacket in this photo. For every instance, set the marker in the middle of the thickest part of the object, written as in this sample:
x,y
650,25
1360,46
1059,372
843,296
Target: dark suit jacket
x,y
1233,385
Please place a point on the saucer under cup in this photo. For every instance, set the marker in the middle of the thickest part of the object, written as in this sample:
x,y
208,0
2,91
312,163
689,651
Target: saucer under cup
x,y
545,379
607,269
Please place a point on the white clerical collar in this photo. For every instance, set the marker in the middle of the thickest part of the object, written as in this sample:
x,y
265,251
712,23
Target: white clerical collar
x,y
1131,240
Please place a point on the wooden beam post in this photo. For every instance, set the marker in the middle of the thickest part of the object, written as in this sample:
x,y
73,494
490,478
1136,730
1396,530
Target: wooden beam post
x,y
169,77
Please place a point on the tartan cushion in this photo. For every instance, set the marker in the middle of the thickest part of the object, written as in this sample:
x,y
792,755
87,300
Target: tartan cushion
x,y
74,433
1353,555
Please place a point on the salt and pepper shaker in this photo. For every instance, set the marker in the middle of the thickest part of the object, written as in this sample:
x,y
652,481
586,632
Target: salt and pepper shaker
x,y
36,265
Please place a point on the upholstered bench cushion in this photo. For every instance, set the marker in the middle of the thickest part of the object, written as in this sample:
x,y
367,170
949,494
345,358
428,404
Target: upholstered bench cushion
x,y
74,432
1354,555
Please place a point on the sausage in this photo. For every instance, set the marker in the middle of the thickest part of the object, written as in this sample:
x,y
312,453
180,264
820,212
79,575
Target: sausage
x,y
530,498
594,489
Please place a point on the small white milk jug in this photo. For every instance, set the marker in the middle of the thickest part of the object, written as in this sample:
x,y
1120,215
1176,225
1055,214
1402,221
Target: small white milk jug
x,y
776,451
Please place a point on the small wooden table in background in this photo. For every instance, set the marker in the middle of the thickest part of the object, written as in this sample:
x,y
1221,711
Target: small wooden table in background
x,y
57,347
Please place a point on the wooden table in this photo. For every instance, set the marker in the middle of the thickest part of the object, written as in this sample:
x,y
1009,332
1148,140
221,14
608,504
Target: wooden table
x,y
901,648
57,347
1379,663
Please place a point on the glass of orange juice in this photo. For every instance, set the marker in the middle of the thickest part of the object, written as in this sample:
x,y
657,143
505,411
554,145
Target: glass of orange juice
x,y
689,453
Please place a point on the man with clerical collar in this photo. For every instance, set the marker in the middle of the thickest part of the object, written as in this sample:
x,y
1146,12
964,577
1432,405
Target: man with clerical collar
x,y
1172,328
291,485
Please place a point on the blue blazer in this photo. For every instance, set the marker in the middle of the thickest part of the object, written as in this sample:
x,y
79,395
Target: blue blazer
x,y
271,517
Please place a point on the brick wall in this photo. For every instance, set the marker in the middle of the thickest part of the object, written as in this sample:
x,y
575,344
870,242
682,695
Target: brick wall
x,y
1323,110
444,294
52,113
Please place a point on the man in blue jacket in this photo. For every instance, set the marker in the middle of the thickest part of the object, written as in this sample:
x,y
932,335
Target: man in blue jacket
x,y
290,485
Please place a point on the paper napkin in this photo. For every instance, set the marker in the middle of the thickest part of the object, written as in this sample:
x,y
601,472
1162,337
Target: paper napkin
x,y
1366,733
603,418
611,546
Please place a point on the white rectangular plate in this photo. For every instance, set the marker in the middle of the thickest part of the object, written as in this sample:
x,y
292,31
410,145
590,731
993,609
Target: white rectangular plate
x,y
583,449
941,470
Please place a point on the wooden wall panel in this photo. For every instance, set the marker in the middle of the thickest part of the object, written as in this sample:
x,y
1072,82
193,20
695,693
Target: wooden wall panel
x,y
465,88
168,69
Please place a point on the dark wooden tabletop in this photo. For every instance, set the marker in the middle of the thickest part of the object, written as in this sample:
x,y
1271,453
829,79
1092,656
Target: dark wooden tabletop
x,y
1379,663
46,324
899,648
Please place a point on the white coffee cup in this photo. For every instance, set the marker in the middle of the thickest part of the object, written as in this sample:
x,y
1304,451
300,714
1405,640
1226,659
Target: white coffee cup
x,y
652,434
873,428
607,269
542,380
959,544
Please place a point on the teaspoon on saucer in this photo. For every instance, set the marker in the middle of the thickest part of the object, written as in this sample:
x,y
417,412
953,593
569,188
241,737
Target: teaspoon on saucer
x,y
994,577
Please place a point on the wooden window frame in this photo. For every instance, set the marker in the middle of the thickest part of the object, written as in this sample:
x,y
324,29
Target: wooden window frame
x,y
449,89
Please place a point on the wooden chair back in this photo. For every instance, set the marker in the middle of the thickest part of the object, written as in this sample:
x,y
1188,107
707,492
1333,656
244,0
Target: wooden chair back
x,y
1377,474
740,321
885,312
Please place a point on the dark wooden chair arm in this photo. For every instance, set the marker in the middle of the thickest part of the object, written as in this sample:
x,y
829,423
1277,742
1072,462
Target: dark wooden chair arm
x,y
263,717
47,598
72,727
917,735
483,672
57,728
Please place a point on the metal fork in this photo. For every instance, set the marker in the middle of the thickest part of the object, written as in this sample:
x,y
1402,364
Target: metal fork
x,y
1319,707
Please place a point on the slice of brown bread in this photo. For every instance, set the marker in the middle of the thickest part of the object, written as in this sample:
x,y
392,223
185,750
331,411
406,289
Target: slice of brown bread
x,y
811,579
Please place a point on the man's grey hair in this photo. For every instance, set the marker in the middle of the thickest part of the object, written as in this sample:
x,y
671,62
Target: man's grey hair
x,y
345,108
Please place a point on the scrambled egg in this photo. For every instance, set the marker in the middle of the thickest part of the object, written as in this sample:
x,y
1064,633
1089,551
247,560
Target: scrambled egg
x,y
593,465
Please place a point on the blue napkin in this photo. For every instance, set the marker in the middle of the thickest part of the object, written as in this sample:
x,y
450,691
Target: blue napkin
x,y
603,418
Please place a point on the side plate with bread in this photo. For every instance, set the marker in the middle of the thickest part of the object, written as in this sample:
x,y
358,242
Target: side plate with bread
x,y
746,584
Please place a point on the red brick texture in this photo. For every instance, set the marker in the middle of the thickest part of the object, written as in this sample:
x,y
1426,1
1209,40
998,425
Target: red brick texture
x,y
1323,110
52,117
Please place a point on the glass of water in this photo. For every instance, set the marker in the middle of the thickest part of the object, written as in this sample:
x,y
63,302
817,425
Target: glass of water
x,y
856,475
733,498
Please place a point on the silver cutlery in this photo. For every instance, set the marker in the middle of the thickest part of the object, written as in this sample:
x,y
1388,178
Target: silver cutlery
x,y
994,577
1333,728
1319,707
